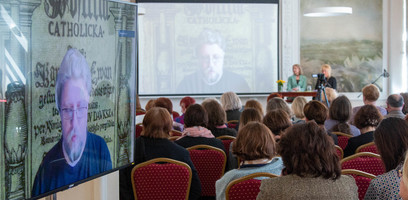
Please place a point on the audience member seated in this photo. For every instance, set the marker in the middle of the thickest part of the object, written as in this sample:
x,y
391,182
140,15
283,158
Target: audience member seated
x,y
391,139
217,119
403,193
195,133
312,169
149,104
278,103
297,108
317,111
277,121
250,115
367,119
154,143
232,105
331,95
371,93
395,103
256,148
184,103
255,104
405,108
339,115
273,95
164,102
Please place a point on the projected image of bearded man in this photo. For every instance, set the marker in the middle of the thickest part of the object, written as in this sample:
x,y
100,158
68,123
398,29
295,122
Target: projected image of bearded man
x,y
211,76
79,154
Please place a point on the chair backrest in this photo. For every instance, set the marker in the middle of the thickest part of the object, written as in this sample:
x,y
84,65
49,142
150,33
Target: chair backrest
x,y
175,114
339,151
362,179
247,187
369,147
226,141
210,164
161,178
176,133
139,129
364,161
342,139
140,112
232,124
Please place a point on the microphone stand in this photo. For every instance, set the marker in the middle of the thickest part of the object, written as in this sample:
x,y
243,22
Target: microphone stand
x,y
374,82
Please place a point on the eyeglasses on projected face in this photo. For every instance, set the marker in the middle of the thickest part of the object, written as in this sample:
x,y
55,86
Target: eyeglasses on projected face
x,y
68,113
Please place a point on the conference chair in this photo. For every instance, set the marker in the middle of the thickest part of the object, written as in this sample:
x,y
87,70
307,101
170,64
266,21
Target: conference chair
x,y
226,140
139,129
247,187
140,112
369,147
362,179
342,139
210,164
232,124
175,114
364,161
176,133
161,178
339,151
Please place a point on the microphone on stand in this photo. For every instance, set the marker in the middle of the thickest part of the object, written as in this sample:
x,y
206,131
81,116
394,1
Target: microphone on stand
x,y
386,74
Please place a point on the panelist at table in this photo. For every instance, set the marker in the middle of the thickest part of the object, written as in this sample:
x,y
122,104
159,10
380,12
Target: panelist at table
x,y
297,82
331,82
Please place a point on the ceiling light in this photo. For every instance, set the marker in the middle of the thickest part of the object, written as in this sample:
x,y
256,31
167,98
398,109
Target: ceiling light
x,y
328,11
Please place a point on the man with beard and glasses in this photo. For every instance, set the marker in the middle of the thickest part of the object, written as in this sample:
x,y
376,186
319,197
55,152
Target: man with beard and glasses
x,y
79,154
211,77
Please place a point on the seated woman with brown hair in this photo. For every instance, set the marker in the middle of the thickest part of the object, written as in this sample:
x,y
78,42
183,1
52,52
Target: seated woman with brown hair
x,y
154,143
367,119
391,139
252,103
277,121
195,133
339,115
312,169
250,115
256,149
217,119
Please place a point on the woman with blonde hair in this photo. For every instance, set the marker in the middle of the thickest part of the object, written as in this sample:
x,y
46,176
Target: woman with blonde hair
x,y
297,82
232,105
330,82
297,107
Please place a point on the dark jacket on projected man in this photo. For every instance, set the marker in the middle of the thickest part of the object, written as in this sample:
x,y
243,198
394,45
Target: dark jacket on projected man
x,y
230,81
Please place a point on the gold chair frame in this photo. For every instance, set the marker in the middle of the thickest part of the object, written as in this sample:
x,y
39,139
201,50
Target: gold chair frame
x,y
247,177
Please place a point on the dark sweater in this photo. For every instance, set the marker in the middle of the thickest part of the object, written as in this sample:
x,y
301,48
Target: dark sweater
x,y
156,148
188,141
355,142
224,131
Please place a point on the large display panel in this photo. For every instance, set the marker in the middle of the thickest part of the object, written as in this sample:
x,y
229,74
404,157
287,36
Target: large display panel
x,y
67,93
202,47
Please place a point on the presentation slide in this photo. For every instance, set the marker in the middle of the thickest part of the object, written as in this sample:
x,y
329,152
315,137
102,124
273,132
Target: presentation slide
x,y
207,48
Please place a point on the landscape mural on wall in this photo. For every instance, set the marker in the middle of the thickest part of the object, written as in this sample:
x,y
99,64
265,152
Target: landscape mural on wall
x,y
351,44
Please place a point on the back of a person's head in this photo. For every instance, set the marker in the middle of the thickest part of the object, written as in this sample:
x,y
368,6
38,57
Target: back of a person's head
x,y
395,100
254,141
164,102
278,103
371,93
331,95
391,139
340,109
316,110
307,150
367,116
230,101
297,106
195,116
277,121
216,115
250,115
254,104
273,95
187,101
157,123
405,108
150,104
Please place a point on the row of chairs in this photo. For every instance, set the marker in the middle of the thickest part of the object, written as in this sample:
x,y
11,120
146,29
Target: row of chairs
x,y
343,141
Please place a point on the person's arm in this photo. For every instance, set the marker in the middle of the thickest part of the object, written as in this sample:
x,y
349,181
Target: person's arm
x,y
289,85
333,82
